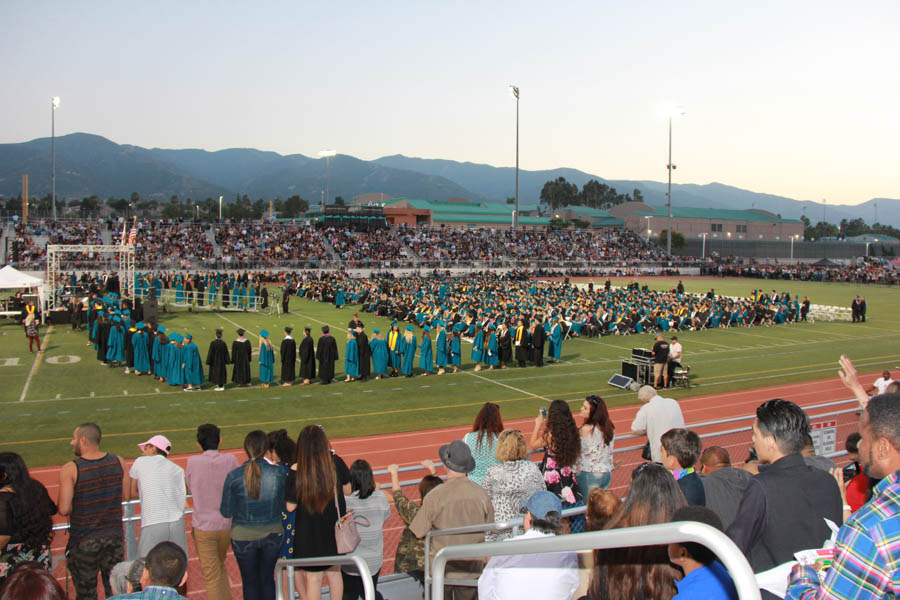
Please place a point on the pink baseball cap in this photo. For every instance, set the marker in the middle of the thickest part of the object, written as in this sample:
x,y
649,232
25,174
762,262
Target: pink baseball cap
x,y
158,441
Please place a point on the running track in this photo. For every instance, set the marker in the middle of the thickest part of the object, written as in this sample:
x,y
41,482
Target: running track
x,y
407,449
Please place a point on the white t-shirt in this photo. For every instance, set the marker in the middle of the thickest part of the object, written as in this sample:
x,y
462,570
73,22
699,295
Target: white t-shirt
x,y
549,576
675,352
881,384
657,417
161,484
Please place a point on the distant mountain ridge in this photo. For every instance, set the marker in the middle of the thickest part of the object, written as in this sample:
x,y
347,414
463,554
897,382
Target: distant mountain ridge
x,y
89,164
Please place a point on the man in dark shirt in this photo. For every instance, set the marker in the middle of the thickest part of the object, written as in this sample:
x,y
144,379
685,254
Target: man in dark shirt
x,y
660,360
723,485
784,508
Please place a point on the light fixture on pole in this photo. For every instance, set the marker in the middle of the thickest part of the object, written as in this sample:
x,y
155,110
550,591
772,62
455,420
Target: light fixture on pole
x,y
703,252
678,111
514,90
220,208
326,154
54,104
794,237
648,228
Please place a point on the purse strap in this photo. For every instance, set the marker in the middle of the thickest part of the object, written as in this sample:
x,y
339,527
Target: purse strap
x,y
336,504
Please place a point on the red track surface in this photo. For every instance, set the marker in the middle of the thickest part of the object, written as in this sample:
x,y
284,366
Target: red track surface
x,y
410,448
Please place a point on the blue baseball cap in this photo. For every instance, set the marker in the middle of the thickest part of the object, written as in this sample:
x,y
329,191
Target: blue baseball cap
x,y
542,502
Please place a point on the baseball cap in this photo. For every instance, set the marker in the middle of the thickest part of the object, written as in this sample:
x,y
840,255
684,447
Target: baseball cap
x,y
542,502
158,441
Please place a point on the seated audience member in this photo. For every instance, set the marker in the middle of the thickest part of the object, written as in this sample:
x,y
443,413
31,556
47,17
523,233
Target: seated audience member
x,y
639,572
723,485
125,576
858,484
30,580
865,553
545,576
812,459
680,450
410,557
165,570
705,578
784,508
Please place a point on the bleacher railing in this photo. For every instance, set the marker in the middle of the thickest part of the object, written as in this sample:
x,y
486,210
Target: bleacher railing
x,y
322,561
648,535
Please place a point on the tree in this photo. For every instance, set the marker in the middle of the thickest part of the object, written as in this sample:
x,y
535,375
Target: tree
x,y
120,205
339,201
636,195
511,200
559,193
295,206
593,193
677,239
557,223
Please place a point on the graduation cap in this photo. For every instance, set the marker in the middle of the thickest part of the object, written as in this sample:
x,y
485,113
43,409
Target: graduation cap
x,y
307,328
394,324
240,332
325,329
288,329
175,337
376,331
188,336
139,325
161,329
409,328
220,331
427,328
263,334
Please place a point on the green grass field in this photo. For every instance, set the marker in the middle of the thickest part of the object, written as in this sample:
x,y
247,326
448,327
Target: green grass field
x,y
68,386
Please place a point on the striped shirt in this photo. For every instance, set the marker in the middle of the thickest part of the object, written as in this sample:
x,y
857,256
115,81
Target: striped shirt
x,y
866,555
97,499
163,493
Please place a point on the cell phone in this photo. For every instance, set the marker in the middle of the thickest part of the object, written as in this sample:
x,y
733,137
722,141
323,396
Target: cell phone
x,y
751,455
544,413
850,471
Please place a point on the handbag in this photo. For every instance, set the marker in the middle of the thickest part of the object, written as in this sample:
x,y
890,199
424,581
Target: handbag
x,y
346,534
645,452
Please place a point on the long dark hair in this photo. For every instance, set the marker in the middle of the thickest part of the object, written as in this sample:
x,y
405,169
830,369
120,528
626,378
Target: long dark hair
x,y
565,443
30,507
645,572
487,422
599,418
362,479
255,445
283,446
316,477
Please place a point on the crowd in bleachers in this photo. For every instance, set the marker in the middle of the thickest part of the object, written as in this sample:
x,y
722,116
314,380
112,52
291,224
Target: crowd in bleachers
x,y
871,270
179,244
361,249
266,243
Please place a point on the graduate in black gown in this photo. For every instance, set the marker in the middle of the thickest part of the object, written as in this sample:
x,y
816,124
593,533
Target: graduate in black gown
x,y
504,344
537,342
327,353
264,294
307,353
241,353
520,342
288,353
217,359
129,349
103,326
365,353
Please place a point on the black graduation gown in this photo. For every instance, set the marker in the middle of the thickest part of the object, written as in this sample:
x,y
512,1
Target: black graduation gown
x,y
537,344
225,293
365,355
522,348
504,345
307,358
102,340
264,294
327,353
129,349
241,353
288,353
217,359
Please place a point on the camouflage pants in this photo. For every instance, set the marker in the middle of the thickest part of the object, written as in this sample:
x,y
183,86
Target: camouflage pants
x,y
89,556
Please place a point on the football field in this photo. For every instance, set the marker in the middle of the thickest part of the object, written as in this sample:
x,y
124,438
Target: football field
x,y
43,397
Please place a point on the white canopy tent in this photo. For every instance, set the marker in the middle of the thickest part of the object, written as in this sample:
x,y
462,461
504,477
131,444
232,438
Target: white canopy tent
x,y
10,278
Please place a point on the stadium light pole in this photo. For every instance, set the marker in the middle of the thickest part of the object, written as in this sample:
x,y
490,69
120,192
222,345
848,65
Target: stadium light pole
x,y
54,104
703,251
326,154
794,237
648,228
674,112
514,90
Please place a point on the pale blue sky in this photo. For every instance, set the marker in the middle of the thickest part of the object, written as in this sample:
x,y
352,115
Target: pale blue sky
x,y
791,98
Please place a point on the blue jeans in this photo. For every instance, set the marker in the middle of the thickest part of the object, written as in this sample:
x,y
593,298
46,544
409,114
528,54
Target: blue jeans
x,y
256,559
588,481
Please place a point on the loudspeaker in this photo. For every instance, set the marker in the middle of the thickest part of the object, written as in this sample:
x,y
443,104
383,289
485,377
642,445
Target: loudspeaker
x,y
629,369
150,310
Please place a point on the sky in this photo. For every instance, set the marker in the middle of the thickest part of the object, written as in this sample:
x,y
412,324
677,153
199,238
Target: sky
x,y
793,98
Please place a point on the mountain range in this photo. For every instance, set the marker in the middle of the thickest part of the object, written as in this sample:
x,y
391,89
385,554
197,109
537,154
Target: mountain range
x,y
88,164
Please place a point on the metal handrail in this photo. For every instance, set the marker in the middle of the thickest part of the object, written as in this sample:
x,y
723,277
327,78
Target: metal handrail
x,y
322,561
647,535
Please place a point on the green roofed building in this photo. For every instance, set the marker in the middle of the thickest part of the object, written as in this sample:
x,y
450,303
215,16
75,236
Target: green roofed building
x,y
455,213
693,223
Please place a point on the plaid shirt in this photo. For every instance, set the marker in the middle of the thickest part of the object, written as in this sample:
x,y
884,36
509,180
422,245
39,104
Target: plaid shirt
x,y
153,592
866,556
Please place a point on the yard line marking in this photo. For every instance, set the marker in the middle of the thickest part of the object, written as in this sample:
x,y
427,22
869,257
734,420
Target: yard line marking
x,y
58,396
515,389
36,364
92,394
124,392
236,325
300,314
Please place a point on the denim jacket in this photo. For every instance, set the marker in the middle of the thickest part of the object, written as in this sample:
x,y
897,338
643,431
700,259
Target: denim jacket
x,y
244,510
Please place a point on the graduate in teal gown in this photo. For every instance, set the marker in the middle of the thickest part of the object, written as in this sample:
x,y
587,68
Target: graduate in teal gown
x,y
456,347
351,357
115,346
478,349
212,292
395,359
426,360
179,291
380,354
493,349
440,348
140,343
556,338
408,351
339,300
193,365
266,359
174,362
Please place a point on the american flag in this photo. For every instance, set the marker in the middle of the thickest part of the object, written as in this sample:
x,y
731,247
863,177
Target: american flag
x,y
132,236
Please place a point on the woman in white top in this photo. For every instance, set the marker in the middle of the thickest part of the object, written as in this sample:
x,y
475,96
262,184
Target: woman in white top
x,y
483,439
596,462
364,502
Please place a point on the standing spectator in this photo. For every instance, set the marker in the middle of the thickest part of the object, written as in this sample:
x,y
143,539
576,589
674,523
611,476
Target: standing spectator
x,y
865,563
91,490
205,478
364,502
510,481
165,570
559,437
680,449
483,438
660,360
723,485
31,330
312,491
596,463
410,556
784,507
456,503
675,358
159,483
655,417
879,386
26,526
217,359
546,576
252,497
